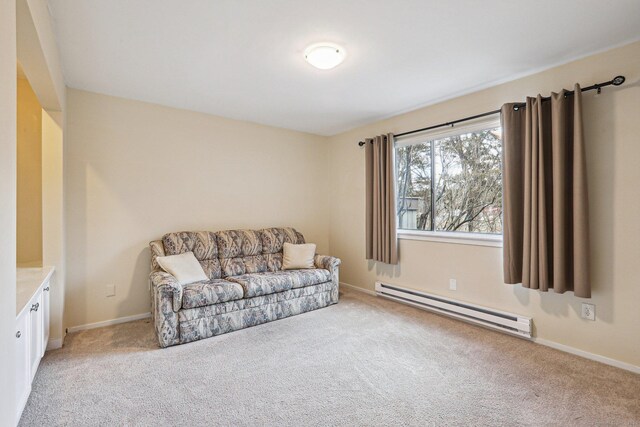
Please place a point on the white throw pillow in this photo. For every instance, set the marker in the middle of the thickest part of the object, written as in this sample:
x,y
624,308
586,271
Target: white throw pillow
x,y
184,267
298,256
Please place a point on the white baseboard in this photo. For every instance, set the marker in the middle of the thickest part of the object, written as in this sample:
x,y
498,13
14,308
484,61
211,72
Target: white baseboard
x,y
358,289
567,349
109,322
54,344
587,355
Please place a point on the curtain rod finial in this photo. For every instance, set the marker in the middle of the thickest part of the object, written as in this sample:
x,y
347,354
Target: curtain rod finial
x,y
361,143
618,80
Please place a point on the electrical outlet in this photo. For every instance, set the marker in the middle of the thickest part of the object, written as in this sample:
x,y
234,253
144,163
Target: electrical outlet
x,y
453,284
588,311
110,290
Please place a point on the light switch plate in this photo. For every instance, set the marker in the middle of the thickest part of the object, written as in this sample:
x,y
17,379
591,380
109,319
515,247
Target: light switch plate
x,y
588,311
453,284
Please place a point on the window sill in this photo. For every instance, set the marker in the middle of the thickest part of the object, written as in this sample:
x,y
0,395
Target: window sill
x,y
477,239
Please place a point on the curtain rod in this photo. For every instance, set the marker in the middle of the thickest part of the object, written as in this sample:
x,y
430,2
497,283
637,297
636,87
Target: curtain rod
x,y
616,81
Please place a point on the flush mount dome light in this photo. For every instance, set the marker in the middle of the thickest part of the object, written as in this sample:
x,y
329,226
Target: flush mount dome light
x,y
324,55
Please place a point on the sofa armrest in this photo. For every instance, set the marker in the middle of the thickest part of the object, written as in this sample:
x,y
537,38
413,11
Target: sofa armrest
x,y
327,262
164,283
333,265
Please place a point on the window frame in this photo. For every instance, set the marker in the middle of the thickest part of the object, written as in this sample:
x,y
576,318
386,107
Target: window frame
x,y
456,237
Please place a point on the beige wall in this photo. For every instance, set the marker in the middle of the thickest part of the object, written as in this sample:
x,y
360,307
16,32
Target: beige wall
x,y
612,125
134,171
8,195
29,211
7,208
38,53
53,90
53,219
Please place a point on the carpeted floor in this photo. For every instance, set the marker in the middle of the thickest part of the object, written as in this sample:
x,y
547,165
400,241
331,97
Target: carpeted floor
x,y
365,361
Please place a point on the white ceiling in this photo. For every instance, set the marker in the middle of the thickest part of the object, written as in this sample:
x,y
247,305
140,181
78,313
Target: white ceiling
x,y
243,58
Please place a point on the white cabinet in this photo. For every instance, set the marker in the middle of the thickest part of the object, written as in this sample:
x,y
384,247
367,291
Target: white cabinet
x,y
32,328
35,332
23,360
44,309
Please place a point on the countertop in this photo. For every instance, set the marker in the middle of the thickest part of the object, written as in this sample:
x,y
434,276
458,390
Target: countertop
x,y
28,280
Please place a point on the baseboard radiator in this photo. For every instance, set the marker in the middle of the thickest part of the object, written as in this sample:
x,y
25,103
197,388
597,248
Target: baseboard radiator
x,y
499,320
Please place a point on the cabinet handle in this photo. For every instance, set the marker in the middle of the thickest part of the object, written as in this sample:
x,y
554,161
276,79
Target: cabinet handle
x,y
35,306
18,334
46,289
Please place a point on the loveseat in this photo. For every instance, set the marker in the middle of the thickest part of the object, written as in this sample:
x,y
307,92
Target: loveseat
x,y
246,285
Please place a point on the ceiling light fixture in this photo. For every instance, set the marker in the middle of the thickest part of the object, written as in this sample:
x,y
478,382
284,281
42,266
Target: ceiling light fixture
x,y
324,55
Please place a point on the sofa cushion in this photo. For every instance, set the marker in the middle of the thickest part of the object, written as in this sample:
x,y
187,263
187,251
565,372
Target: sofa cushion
x,y
215,291
278,281
240,252
295,257
239,243
274,238
212,268
203,322
203,244
184,267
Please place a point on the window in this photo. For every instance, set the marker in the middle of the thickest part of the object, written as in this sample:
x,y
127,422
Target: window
x,y
449,181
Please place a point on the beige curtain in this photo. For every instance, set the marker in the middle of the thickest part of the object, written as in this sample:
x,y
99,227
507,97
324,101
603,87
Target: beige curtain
x,y
546,227
382,242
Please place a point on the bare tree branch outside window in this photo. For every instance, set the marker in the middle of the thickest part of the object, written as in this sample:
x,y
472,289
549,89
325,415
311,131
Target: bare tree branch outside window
x,y
467,185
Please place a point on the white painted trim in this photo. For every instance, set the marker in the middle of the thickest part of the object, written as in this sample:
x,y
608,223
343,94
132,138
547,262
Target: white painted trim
x,y
591,356
109,322
475,239
358,289
54,344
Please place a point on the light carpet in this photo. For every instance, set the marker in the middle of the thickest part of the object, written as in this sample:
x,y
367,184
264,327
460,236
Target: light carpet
x,y
365,361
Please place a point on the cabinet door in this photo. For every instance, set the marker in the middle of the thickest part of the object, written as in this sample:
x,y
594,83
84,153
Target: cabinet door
x,y
23,360
45,316
35,332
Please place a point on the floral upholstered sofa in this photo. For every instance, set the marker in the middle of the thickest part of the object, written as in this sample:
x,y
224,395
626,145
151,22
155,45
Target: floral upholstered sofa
x,y
246,285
